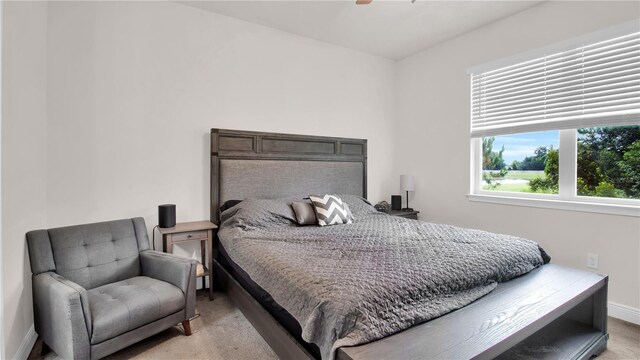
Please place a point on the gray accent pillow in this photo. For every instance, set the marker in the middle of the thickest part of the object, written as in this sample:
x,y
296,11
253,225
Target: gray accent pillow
x,y
358,205
331,210
260,213
305,215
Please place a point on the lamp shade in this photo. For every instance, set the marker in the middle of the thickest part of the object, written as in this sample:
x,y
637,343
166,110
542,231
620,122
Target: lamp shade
x,y
407,183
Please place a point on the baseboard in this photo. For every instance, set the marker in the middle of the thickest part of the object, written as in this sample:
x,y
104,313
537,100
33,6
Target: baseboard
x,y
27,344
624,312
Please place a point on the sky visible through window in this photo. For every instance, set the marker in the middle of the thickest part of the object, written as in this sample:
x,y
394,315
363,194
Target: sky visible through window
x,y
519,146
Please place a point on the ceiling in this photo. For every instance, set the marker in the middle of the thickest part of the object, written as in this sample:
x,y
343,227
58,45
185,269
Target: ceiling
x,y
392,29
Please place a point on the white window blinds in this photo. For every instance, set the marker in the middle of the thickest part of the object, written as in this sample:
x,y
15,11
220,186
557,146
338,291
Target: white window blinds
x,y
594,84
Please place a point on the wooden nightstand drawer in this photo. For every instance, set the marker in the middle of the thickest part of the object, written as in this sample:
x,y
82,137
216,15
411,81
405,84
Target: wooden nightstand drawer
x,y
189,236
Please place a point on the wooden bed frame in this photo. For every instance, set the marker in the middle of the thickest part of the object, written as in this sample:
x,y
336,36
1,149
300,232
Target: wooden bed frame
x,y
553,312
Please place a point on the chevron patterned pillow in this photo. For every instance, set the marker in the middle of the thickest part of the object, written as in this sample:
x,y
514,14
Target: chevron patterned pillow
x,y
331,210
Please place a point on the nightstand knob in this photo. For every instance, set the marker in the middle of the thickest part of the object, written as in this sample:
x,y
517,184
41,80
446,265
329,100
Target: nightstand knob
x,y
189,236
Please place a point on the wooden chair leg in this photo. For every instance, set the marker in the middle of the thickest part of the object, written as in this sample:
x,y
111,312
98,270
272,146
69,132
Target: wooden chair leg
x,y
187,327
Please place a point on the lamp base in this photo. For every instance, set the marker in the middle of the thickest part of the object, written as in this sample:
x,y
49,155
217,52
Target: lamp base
x,y
407,209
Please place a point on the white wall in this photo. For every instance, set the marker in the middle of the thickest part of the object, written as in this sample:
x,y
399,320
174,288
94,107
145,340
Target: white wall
x,y
1,260
134,89
433,118
108,107
24,151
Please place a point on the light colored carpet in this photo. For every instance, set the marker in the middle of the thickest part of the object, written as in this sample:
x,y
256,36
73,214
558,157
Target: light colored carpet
x,y
624,341
222,332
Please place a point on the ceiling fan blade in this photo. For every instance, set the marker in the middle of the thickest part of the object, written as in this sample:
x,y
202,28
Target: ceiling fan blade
x,y
363,2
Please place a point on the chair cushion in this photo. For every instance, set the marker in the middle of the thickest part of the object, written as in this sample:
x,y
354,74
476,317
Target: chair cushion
x,y
128,304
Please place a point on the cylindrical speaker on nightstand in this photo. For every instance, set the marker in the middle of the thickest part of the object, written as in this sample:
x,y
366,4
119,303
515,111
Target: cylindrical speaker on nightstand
x,y
396,202
167,215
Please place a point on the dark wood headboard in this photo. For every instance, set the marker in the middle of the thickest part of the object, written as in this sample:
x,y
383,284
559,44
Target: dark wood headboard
x,y
248,163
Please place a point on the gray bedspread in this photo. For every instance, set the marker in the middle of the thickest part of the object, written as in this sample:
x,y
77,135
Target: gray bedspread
x,y
351,284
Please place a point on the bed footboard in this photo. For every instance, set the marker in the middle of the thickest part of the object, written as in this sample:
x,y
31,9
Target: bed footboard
x,y
554,312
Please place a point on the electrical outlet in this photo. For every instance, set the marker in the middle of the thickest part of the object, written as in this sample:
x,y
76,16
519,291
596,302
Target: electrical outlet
x,y
592,261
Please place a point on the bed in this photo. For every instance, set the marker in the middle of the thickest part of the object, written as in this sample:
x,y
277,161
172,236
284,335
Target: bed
x,y
550,312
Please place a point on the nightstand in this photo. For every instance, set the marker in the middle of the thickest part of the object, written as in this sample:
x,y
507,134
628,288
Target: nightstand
x,y
193,231
405,214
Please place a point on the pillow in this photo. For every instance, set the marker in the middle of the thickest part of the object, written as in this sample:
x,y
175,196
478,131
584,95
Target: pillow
x,y
259,213
358,205
305,215
229,204
331,210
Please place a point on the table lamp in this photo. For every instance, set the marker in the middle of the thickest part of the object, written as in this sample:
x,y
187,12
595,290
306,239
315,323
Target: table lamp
x,y
407,184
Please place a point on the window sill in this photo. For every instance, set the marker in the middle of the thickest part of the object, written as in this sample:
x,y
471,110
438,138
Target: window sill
x,y
592,207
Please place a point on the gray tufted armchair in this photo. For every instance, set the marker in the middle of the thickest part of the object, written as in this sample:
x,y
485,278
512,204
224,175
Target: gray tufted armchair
x,y
97,288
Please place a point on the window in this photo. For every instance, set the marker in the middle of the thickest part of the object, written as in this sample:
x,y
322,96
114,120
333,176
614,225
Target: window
x,y
560,126
608,162
525,163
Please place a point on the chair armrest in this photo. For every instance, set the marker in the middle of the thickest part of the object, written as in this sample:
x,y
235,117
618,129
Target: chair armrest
x,y
176,270
62,316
